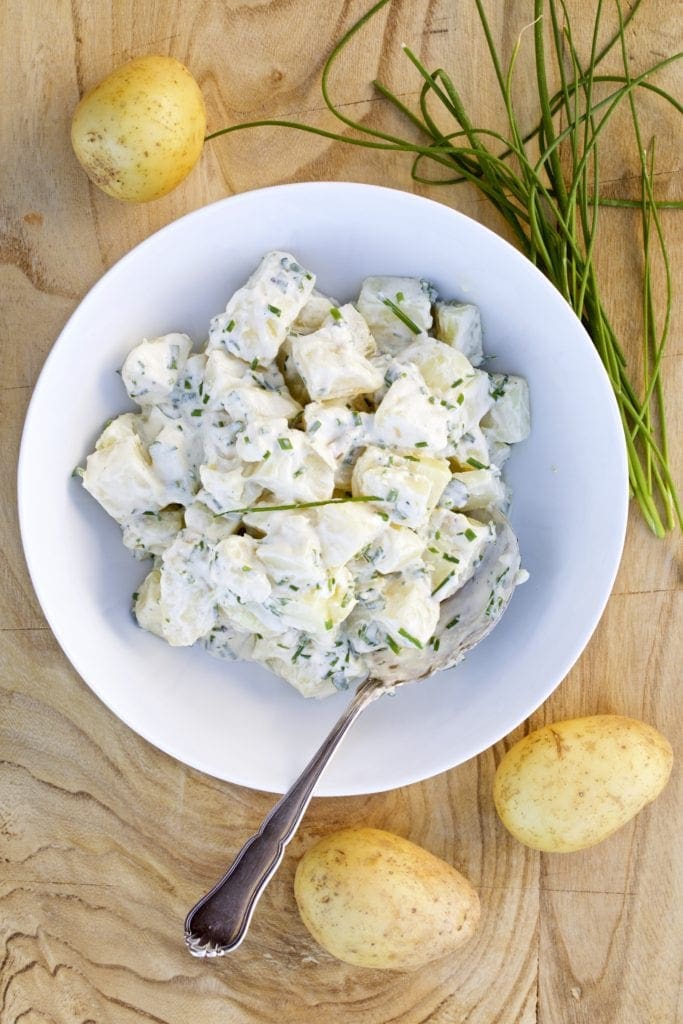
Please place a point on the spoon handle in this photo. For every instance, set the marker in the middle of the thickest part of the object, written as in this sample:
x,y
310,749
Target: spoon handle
x,y
219,922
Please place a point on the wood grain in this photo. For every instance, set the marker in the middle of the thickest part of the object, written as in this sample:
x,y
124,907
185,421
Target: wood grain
x,y
104,841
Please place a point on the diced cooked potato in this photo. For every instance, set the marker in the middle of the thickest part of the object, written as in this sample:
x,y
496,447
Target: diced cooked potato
x,y
455,543
349,316
411,296
409,613
120,475
443,368
236,566
508,419
291,550
258,317
344,529
409,417
394,549
409,488
331,366
313,313
459,325
475,489
150,533
292,470
151,369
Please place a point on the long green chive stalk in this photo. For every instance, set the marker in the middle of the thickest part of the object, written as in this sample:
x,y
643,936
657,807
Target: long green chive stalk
x,y
546,184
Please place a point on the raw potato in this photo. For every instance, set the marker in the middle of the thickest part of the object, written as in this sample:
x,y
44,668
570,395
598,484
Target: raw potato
x,y
374,899
140,131
570,785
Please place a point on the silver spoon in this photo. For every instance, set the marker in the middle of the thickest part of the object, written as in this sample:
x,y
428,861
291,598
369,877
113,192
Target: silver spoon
x,y
219,922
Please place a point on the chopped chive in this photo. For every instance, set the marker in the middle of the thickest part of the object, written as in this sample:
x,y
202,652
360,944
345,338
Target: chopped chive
x,y
451,558
303,504
274,310
476,463
392,643
254,364
411,639
266,455
335,314
410,324
456,382
293,587
421,444
285,443
411,458
470,534
400,297
246,568
298,652
443,583
196,412
230,327
392,494
329,624
460,399
78,471
453,622
316,425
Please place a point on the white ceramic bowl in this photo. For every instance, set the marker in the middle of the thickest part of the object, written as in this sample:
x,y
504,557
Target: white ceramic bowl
x,y
237,721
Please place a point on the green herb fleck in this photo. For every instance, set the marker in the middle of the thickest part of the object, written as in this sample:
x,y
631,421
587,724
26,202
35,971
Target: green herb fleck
x,y
392,643
411,639
410,324
443,583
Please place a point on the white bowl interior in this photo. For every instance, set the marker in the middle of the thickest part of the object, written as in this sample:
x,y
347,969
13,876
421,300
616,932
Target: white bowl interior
x,y
236,721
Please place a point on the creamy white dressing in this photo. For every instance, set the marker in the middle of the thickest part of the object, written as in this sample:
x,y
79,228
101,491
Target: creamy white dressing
x,y
383,437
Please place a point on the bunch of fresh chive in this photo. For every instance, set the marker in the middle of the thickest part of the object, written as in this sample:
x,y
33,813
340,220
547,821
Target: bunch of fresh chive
x,y
550,198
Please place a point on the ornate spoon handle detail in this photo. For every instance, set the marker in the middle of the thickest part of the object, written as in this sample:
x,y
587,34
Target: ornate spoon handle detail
x,y
219,922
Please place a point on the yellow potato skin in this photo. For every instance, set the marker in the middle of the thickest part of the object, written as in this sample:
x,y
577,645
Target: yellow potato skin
x,y
572,784
374,899
141,130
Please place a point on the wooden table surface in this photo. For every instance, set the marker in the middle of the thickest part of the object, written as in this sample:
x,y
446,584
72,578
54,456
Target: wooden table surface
x,y
104,841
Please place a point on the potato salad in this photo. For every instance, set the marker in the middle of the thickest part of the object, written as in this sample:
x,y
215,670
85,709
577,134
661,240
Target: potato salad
x,y
314,481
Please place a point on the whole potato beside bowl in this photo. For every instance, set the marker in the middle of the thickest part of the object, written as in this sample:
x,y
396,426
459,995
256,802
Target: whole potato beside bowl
x,y
374,899
141,130
572,784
